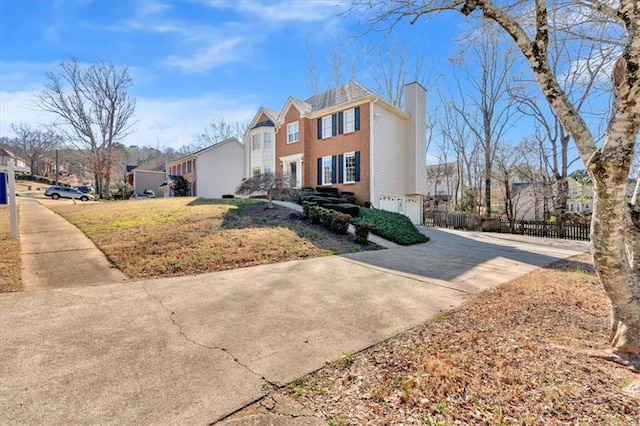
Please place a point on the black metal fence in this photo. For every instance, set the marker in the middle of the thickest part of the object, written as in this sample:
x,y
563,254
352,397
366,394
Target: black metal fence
x,y
568,231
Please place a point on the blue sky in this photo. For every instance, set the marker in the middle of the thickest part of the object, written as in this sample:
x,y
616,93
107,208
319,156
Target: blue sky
x,y
193,61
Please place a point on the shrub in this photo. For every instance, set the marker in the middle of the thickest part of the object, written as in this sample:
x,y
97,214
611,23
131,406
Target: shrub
x,y
391,226
348,197
228,196
306,205
314,214
362,231
350,209
339,222
324,190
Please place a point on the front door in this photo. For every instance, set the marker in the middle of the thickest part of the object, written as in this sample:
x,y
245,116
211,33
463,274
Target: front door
x,y
293,170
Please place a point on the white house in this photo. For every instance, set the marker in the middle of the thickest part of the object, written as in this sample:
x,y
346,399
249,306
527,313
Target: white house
x,y
213,171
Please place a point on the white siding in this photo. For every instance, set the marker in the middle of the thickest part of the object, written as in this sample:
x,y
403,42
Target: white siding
x,y
389,154
146,179
220,169
261,158
416,107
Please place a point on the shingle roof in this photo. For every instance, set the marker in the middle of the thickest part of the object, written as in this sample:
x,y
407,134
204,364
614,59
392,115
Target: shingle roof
x,y
155,165
343,94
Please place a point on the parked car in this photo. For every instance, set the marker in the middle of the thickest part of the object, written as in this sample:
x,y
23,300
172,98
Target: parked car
x,y
56,192
139,196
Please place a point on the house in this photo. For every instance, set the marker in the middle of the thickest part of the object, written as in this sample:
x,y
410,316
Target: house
x,y
580,199
213,171
350,139
19,163
148,176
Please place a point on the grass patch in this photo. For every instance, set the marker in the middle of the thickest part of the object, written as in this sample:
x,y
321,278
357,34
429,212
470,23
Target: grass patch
x,y
187,236
391,226
10,280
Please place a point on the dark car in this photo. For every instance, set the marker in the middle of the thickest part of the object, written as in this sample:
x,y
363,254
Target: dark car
x,y
139,196
56,192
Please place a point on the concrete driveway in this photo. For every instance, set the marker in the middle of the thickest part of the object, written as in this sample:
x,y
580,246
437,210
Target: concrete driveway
x,y
192,350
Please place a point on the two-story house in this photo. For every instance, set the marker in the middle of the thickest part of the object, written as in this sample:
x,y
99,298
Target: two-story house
x,y
348,138
212,171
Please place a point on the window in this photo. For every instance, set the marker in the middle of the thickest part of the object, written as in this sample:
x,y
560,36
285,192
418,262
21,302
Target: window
x,y
255,142
350,167
349,121
327,127
266,138
327,170
255,171
293,132
267,170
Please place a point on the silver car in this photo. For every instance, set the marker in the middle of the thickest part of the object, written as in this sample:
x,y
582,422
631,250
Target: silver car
x,y
56,192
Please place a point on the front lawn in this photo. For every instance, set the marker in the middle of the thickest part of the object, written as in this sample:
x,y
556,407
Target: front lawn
x,y
9,256
186,236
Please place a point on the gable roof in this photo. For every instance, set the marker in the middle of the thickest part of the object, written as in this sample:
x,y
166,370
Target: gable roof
x,y
348,93
271,115
155,165
6,153
197,153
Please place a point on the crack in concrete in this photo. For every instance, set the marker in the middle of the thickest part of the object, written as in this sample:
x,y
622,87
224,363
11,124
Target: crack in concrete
x,y
267,386
271,406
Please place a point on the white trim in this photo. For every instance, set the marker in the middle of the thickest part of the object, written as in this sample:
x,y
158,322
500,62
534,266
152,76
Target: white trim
x,y
344,167
297,123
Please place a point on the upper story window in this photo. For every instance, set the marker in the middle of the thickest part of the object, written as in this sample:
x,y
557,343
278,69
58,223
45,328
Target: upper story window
x,y
255,142
349,121
327,127
293,132
266,140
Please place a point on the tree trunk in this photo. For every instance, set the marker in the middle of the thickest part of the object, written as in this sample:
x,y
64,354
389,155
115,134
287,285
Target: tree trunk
x,y
615,246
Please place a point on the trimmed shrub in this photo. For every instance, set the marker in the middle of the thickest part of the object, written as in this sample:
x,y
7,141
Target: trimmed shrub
x,y
348,197
362,232
391,226
315,213
306,205
339,222
350,209
324,190
228,196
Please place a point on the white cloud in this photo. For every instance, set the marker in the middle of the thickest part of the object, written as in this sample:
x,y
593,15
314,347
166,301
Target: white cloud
x,y
283,11
176,122
218,54
20,107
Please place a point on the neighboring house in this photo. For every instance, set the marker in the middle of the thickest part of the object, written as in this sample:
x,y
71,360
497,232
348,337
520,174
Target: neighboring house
x,y
150,175
6,156
348,138
442,186
213,171
580,197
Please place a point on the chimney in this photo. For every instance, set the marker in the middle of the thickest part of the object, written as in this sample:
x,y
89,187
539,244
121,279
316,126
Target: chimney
x,y
416,106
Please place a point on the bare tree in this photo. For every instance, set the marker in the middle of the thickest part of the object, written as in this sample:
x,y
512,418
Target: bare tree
x,y
33,143
484,102
581,80
615,239
94,111
220,130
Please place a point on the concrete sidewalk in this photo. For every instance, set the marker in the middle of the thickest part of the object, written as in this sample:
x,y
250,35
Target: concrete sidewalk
x,y
192,350
55,254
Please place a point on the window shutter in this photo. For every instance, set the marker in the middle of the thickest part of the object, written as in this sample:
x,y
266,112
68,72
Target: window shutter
x,y
319,128
357,166
333,168
320,171
340,123
357,118
340,168
334,124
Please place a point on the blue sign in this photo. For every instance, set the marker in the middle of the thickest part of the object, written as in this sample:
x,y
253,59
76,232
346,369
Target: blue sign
x,y
3,188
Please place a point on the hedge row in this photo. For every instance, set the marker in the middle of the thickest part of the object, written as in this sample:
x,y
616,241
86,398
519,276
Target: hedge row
x,y
391,226
333,220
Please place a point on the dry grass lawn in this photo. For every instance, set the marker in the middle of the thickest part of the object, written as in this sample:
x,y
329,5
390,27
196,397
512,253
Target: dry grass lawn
x,y
187,236
518,355
9,256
